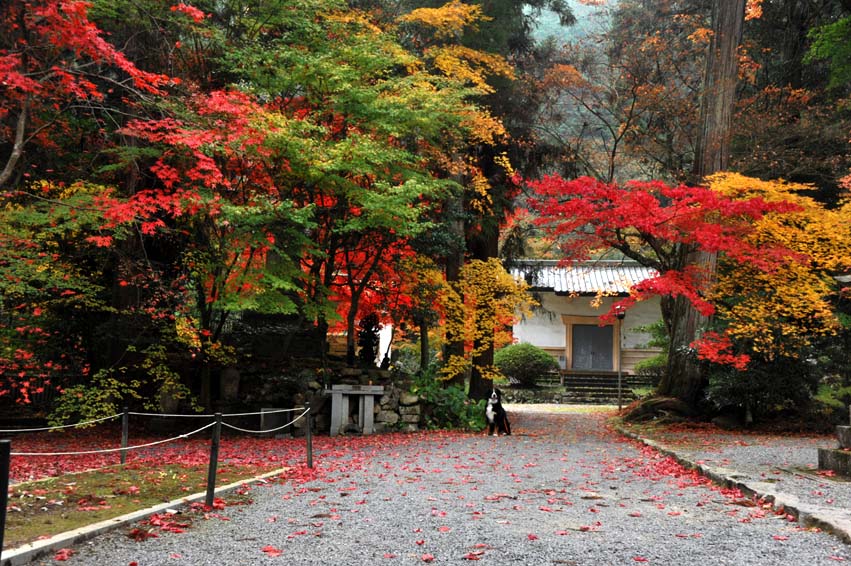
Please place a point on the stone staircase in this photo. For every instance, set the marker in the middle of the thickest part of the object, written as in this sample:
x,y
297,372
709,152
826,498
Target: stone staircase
x,y
601,388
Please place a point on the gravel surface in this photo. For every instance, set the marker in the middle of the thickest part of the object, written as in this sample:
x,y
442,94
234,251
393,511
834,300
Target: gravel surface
x,y
564,489
788,463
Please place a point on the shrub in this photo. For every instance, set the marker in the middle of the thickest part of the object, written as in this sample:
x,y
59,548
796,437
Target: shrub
x,y
448,407
653,368
523,364
766,388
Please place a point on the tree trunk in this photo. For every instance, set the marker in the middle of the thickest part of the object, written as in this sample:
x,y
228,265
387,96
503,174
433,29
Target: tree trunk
x,y
684,378
425,354
480,387
719,89
205,377
18,145
485,247
351,335
454,262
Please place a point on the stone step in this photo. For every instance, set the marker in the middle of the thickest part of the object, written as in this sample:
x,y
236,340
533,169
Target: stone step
x,y
596,390
597,399
602,380
633,380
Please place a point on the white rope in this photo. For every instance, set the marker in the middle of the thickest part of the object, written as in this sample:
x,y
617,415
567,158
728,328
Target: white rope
x,y
292,422
269,412
107,450
58,426
169,415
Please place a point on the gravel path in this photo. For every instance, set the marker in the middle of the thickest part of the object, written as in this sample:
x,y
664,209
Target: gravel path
x,y
784,464
564,489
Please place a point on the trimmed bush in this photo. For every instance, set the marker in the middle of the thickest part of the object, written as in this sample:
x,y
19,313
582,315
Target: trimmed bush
x,y
523,364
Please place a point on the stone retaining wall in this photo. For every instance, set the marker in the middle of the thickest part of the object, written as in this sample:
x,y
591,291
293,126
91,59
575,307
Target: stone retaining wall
x,y
396,410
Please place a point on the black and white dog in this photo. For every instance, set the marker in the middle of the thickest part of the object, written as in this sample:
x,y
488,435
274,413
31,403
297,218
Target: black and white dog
x,y
496,416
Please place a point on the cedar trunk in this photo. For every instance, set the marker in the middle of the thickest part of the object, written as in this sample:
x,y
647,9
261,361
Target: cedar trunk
x,y
454,262
719,89
684,378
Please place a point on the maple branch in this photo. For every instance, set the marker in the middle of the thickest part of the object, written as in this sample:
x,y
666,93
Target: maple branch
x,y
575,148
59,202
121,84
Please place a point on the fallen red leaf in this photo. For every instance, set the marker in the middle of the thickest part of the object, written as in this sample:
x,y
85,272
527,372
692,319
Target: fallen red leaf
x,y
63,554
141,534
272,551
427,557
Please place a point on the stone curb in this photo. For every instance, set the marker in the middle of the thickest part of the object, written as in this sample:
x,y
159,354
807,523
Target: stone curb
x,y
829,520
29,552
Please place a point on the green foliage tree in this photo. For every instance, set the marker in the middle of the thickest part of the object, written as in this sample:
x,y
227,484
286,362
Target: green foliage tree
x,y
296,147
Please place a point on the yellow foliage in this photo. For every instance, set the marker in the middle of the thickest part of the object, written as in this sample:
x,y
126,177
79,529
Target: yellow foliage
x,y
469,65
443,56
479,193
447,21
186,331
785,309
503,161
483,127
486,300
360,20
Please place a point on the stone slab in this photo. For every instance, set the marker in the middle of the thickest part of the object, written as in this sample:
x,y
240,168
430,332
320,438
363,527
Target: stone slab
x,y
837,460
843,433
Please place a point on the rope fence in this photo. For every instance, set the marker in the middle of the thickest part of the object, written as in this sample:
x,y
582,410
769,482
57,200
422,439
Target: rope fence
x,y
216,425
282,427
109,450
209,416
57,427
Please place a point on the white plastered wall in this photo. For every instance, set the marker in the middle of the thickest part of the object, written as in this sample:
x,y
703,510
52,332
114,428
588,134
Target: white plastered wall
x,y
546,328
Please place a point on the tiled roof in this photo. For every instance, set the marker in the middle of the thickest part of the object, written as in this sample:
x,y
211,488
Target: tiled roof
x,y
588,278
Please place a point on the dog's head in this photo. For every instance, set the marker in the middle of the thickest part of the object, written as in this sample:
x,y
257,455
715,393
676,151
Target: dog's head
x,y
496,397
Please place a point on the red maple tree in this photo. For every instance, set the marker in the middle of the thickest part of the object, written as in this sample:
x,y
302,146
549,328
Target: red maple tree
x,y
659,226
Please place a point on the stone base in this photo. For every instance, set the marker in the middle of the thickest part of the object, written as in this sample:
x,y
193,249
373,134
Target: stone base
x,y
843,433
833,459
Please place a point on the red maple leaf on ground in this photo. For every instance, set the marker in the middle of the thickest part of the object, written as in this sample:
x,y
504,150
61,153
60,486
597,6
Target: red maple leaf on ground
x,y
272,551
63,554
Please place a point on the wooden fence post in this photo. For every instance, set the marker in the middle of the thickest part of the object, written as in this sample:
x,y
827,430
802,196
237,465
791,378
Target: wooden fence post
x,y
5,457
214,459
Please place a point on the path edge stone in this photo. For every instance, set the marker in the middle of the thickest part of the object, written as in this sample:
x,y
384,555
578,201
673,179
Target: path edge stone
x,y
828,520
